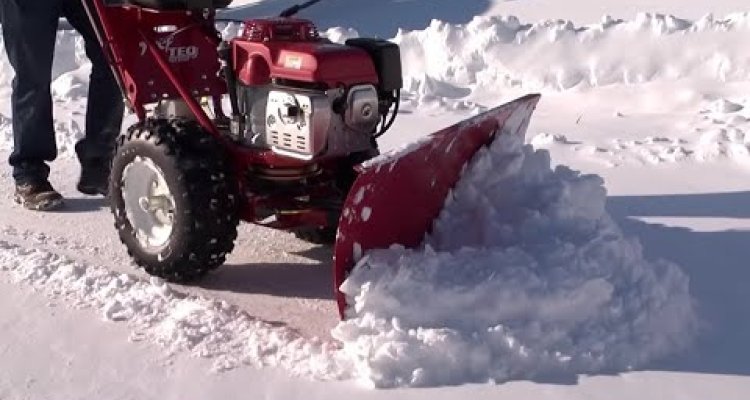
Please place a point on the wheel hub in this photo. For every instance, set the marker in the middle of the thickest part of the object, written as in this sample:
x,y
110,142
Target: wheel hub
x,y
149,203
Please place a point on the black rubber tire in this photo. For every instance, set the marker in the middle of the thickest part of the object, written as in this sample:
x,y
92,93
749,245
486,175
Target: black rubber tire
x,y
195,168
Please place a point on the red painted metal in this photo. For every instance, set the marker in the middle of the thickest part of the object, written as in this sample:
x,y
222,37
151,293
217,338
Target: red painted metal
x,y
186,44
254,70
184,92
290,49
405,192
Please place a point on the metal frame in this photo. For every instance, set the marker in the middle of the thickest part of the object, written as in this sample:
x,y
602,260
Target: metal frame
x,y
108,20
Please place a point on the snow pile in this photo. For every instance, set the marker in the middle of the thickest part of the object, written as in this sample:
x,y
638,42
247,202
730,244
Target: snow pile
x,y
73,85
70,76
69,56
501,52
524,277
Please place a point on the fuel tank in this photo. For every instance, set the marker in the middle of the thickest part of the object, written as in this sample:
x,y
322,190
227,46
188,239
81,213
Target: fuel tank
x,y
291,49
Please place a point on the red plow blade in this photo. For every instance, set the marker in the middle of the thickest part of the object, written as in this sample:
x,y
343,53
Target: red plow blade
x,y
398,195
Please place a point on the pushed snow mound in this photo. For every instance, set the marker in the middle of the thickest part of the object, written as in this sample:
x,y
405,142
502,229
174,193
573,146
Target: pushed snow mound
x,y
525,276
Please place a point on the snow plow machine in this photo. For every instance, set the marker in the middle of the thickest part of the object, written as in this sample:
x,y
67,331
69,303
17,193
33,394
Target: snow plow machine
x,y
296,149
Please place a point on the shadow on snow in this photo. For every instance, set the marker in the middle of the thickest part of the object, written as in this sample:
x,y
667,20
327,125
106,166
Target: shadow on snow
x,y
718,264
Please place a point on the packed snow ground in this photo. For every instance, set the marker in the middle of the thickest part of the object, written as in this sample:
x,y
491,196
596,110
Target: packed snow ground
x,y
666,125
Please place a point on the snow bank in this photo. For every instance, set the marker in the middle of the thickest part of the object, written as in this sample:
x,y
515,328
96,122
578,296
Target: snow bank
x,y
70,76
525,276
69,56
501,52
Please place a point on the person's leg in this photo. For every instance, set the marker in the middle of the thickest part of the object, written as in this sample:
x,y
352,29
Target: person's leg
x,y
105,107
29,28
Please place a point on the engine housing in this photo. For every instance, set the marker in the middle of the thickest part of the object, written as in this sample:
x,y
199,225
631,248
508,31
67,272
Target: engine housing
x,y
305,97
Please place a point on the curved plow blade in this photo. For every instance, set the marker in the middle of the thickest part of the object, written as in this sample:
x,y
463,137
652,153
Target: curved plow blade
x,y
398,195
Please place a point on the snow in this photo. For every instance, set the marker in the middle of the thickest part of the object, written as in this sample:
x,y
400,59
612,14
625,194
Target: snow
x,y
157,313
540,282
500,52
537,282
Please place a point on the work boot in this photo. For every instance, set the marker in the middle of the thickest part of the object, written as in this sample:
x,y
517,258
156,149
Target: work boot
x,y
94,178
38,196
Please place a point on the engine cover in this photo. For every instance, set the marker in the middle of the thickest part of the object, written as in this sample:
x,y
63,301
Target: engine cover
x,y
301,123
290,49
297,123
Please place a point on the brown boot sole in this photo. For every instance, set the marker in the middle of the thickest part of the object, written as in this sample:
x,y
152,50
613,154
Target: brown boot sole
x,y
48,205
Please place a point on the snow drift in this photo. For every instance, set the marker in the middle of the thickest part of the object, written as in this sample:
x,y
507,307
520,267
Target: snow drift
x,y
501,51
492,51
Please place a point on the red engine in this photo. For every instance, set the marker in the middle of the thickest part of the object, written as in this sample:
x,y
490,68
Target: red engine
x,y
290,49
303,96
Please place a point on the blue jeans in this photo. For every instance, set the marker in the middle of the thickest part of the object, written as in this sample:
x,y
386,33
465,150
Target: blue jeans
x,y
29,31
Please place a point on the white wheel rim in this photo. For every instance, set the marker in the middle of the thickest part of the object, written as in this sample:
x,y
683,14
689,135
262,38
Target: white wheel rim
x,y
149,204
